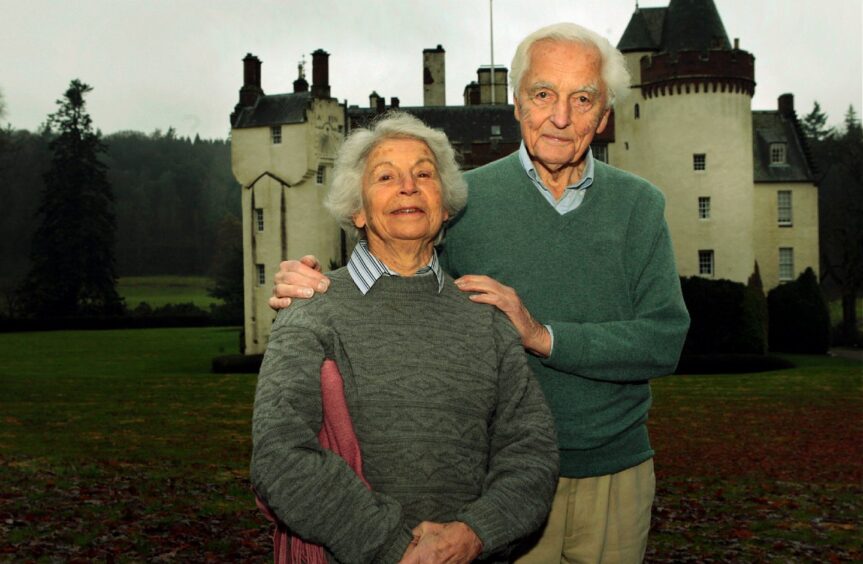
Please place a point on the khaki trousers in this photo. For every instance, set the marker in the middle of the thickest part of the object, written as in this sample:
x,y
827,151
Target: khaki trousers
x,y
603,519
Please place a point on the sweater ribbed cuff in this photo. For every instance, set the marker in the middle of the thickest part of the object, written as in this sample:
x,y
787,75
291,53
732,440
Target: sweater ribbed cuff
x,y
395,546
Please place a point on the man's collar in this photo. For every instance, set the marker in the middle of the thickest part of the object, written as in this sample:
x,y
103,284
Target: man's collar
x,y
584,182
366,269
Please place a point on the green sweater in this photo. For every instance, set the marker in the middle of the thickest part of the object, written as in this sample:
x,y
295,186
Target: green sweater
x,y
603,277
452,425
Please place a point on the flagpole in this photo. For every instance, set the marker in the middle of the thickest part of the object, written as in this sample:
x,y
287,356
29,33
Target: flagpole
x,y
491,28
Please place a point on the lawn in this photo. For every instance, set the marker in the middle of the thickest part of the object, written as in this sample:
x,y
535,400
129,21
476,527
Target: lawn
x,y
121,446
162,290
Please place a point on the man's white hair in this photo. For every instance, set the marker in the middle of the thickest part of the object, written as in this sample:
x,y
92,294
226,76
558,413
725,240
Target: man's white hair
x,y
345,198
615,76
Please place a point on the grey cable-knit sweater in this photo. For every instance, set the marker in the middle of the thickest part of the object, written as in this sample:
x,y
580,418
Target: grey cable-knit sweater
x,y
451,423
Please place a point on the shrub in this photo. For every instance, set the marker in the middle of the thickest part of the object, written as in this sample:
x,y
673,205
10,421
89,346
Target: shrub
x,y
799,316
726,317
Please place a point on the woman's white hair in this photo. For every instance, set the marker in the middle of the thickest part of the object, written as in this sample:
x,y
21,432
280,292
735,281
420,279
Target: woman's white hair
x,y
615,75
345,198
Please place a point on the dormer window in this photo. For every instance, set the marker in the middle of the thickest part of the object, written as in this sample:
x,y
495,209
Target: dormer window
x,y
276,134
778,154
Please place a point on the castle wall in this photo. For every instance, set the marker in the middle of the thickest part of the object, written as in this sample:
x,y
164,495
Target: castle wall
x,y
660,145
801,235
283,183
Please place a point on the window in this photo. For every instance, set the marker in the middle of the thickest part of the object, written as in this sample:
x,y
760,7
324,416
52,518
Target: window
x,y
637,112
262,274
704,207
320,176
777,154
705,263
699,161
783,205
495,130
786,264
276,134
259,218
600,152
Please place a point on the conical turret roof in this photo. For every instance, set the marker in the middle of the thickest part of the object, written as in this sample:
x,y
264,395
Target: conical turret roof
x,y
685,25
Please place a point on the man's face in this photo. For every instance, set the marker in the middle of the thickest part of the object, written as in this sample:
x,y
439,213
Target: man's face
x,y
561,102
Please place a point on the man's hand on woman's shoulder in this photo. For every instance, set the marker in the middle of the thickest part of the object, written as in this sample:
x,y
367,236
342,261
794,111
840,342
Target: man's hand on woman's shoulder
x,y
297,279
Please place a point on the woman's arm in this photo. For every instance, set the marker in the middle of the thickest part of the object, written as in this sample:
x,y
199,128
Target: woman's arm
x,y
523,458
312,490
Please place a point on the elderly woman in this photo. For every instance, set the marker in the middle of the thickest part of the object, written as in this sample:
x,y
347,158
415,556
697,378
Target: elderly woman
x,y
458,450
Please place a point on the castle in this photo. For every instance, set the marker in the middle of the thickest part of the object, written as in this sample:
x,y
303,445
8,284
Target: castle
x,y
739,183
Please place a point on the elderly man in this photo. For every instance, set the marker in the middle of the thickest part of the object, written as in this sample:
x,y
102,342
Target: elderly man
x,y
578,256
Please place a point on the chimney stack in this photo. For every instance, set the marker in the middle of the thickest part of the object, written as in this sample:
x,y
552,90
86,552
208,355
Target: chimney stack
x,y
486,82
434,77
320,74
786,105
394,102
251,90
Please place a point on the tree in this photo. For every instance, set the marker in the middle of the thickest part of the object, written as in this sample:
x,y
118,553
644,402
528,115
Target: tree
x,y
72,256
815,124
840,204
227,267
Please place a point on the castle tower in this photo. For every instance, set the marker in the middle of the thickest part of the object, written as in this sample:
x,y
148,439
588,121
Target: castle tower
x,y
282,151
687,127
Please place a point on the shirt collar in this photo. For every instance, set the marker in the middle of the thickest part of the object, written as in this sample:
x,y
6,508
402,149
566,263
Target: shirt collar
x,y
584,182
366,269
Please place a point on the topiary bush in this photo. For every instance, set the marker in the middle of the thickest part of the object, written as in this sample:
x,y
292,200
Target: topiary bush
x,y
799,316
726,317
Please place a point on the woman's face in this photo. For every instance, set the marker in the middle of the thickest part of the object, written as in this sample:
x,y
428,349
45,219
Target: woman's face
x,y
401,194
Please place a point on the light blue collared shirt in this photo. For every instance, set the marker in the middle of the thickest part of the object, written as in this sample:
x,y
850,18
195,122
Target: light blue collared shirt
x,y
366,269
573,195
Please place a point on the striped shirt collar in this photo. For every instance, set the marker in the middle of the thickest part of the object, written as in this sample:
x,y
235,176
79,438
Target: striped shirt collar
x,y
584,182
365,268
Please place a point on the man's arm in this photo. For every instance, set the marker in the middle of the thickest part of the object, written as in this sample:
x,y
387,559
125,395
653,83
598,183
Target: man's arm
x,y
297,279
535,337
646,345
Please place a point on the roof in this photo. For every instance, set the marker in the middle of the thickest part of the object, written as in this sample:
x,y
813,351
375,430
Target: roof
x,y
274,110
685,25
644,32
463,125
772,127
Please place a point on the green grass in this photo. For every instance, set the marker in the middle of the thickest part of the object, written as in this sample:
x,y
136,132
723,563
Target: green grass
x,y
122,443
162,290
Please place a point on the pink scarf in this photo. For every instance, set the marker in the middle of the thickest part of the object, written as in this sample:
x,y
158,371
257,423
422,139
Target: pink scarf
x,y
336,434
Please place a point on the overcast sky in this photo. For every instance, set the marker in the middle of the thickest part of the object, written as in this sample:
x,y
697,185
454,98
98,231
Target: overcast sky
x,y
178,63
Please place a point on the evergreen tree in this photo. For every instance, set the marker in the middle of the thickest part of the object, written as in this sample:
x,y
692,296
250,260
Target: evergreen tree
x,y
227,266
840,207
72,257
814,124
